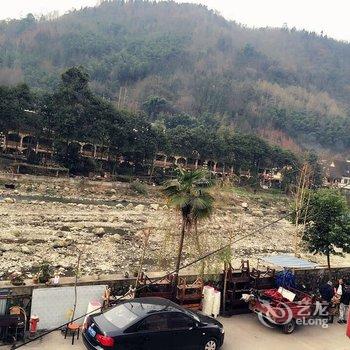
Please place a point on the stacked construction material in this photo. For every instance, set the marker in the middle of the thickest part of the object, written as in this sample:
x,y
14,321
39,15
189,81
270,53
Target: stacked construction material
x,y
216,304
208,298
211,301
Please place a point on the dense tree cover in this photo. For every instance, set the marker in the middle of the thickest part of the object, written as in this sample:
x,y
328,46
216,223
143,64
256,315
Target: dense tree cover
x,y
73,113
15,104
168,57
243,151
327,223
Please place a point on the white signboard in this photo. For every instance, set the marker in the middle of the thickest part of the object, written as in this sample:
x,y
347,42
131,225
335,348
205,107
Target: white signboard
x,y
53,306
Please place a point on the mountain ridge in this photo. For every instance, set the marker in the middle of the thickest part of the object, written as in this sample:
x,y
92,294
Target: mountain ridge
x,y
293,83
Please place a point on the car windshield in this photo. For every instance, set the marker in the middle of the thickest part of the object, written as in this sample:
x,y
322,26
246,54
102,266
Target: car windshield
x,y
120,316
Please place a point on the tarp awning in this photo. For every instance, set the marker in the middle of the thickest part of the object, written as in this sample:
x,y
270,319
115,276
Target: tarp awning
x,y
289,261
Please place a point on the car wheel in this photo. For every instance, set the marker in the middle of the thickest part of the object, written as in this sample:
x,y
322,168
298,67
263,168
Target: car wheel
x,y
211,344
289,327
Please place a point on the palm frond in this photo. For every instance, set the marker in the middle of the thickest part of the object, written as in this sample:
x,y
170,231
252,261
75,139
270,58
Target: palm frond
x,y
188,194
202,206
178,200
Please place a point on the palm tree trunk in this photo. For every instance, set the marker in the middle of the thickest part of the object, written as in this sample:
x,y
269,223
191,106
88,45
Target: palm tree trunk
x,y
179,255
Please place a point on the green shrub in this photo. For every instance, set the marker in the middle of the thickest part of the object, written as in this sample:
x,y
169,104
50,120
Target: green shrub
x,y
138,187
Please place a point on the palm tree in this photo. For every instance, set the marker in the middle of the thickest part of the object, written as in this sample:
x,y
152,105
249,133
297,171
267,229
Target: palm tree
x,y
188,193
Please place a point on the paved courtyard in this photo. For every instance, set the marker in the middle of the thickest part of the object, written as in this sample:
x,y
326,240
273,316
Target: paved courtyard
x,y
243,332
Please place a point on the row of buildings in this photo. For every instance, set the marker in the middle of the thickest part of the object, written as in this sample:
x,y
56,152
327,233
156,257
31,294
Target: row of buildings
x,y
21,143
337,173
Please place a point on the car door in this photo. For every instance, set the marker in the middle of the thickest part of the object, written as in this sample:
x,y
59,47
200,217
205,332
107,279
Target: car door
x,y
153,333
184,332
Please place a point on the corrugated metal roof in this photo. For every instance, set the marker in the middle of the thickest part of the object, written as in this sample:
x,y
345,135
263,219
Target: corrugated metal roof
x,y
289,261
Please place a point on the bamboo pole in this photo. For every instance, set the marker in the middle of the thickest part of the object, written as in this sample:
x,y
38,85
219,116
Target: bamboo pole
x,y
147,233
80,253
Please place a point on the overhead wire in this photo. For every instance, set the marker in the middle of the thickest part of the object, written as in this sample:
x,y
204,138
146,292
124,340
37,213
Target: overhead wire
x,y
176,271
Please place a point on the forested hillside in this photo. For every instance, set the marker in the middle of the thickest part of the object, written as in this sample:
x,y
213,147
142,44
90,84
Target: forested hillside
x,y
72,113
186,65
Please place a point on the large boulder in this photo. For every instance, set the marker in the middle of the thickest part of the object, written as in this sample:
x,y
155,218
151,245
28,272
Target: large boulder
x,y
154,206
244,205
121,231
9,200
116,238
99,231
27,250
140,208
258,213
61,243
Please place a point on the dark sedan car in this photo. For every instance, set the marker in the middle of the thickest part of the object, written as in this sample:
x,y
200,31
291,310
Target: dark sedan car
x,y
151,324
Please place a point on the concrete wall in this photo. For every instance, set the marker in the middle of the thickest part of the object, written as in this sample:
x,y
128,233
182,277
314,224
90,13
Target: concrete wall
x,y
311,278
54,305
118,283
314,278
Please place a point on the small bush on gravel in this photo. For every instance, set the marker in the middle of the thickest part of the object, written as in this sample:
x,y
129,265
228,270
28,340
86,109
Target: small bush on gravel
x,y
138,187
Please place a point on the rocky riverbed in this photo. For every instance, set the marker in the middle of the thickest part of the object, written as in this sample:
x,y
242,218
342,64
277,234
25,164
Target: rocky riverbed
x,y
45,219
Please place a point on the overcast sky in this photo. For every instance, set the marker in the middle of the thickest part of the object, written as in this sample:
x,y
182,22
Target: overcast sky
x,y
331,17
